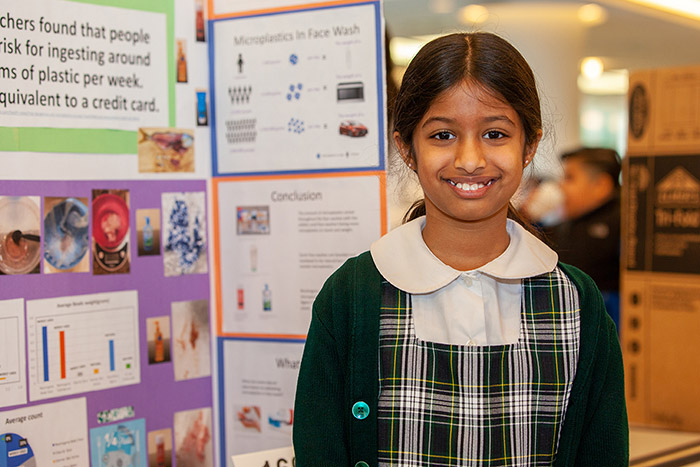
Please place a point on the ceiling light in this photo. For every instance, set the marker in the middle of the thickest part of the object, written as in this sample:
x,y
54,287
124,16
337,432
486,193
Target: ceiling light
x,y
592,14
473,14
591,67
442,6
688,8
403,49
614,82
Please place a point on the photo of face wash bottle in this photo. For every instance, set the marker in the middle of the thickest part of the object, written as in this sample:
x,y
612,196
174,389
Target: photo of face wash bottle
x,y
267,298
253,258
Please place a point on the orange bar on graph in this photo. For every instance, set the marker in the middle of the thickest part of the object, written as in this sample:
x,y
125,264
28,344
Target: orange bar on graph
x,y
62,344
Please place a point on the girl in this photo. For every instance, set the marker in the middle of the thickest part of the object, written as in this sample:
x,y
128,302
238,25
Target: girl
x,y
458,339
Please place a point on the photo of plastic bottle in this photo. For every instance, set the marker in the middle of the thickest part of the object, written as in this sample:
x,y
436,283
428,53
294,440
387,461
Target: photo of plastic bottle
x,y
267,298
148,235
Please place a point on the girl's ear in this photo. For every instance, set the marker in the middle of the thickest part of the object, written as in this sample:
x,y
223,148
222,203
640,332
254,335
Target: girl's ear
x,y
404,151
531,149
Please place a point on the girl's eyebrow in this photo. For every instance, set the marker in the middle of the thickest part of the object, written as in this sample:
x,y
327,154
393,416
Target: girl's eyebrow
x,y
489,119
497,118
438,119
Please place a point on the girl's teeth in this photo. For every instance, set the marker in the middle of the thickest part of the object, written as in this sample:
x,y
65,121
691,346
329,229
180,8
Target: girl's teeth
x,y
468,187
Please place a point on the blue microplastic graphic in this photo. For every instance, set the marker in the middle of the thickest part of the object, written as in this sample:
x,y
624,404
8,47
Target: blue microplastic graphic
x,y
295,125
185,243
188,246
294,91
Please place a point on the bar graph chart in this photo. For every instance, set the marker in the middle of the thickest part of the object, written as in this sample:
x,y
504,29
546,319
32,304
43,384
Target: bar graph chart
x,y
82,343
13,389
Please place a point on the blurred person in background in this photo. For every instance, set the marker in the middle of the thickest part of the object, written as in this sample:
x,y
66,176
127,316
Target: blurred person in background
x,y
541,202
589,237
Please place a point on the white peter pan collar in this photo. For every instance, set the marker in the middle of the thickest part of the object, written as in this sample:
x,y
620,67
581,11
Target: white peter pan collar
x,y
403,258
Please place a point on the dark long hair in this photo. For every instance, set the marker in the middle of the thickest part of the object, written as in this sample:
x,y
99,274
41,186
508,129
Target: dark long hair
x,y
483,58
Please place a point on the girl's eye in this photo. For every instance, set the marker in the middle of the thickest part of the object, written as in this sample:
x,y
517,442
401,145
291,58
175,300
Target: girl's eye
x,y
494,134
443,135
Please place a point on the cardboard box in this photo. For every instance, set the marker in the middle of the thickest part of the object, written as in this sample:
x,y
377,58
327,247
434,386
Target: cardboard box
x,y
664,111
660,287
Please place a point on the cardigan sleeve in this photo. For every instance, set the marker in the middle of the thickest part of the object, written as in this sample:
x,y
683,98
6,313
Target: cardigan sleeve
x,y
320,431
605,433
595,430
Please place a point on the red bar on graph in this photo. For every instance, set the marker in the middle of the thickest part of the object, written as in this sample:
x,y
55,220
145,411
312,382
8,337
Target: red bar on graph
x,y
62,344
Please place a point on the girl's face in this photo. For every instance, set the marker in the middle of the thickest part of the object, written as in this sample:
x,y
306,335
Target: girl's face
x,y
469,154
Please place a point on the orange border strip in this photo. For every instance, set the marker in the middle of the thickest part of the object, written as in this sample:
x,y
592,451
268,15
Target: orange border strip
x,y
217,246
263,11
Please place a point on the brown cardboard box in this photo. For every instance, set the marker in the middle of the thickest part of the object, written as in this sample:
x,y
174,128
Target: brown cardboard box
x,y
664,110
660,287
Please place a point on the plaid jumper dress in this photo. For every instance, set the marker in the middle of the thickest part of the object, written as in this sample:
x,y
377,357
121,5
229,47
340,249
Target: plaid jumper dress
x,y
458,405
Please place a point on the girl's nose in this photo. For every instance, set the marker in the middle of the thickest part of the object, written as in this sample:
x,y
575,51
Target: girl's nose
x,y
470,156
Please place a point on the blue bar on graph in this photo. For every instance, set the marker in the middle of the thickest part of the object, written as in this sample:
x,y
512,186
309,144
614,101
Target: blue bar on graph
x,y
45,341
111,355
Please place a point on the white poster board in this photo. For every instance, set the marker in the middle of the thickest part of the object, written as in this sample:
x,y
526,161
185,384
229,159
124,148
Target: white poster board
x,y
75,65
258,397
280,238
282,457
13,376
46,435
82,343
299,91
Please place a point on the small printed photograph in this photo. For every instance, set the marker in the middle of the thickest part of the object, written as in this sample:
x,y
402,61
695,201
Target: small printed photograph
x,y
148,232
66,235
248,418
165,150
119,444
158,330
350,91
199,20
160,448
191,339
202,113
352,128
20,234
184,233
114,415
181,60
281,419
253,220
110,231
193,438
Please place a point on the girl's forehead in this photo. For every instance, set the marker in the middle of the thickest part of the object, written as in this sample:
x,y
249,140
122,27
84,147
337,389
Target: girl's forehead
x,y
469,96
475,90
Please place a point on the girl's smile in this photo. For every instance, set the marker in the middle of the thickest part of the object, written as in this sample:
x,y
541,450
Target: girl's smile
x,y
472,188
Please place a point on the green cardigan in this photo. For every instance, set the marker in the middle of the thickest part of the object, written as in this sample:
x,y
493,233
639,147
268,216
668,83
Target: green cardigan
x,y
340,367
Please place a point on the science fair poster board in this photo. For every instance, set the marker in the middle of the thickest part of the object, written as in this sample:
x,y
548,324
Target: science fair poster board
x,y
132,346
101,77
278,238
257,382
298,90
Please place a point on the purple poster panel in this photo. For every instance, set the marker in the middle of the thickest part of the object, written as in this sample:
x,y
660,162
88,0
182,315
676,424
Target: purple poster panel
x,y
104,313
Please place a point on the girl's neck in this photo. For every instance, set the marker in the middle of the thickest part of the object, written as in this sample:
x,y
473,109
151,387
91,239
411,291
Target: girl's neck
x,y
466,245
